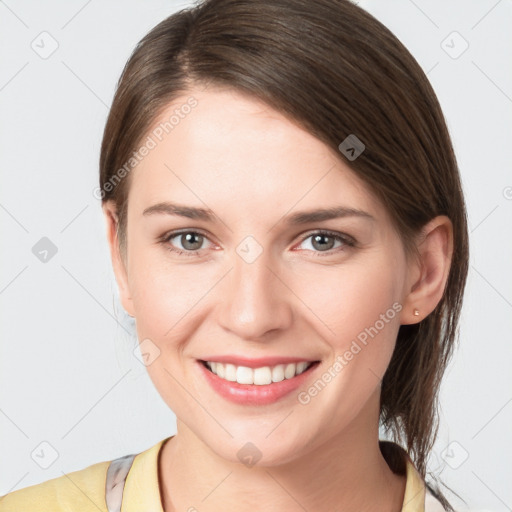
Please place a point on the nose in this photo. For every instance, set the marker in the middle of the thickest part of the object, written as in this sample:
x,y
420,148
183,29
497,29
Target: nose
x,y
255,300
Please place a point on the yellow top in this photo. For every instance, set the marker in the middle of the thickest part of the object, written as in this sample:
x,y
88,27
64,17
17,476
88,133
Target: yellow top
x,y
84,490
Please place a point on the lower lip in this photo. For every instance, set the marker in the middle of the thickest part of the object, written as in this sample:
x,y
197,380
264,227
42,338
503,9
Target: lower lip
x,y
251,394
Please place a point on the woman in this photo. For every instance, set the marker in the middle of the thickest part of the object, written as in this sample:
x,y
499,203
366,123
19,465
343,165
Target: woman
x,y
286,224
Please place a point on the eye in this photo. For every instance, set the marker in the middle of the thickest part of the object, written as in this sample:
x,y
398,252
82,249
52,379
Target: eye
x,y
191,242
325,242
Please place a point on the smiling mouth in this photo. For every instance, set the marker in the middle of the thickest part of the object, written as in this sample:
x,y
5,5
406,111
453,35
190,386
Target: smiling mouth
x,y
258,376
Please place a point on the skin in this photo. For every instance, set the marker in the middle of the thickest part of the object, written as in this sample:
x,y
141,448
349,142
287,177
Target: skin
x,y
253,167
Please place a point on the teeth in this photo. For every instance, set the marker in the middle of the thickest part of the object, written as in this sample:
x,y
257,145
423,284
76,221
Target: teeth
x,y
257,376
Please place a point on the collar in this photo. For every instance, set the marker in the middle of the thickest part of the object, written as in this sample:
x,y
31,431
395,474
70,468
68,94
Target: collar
x,y
142,487
414,496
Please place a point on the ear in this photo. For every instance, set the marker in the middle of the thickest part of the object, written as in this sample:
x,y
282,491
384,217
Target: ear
x,y
427,276
118,264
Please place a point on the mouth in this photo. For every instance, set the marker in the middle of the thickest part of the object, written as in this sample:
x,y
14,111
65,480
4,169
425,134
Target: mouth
x,y
261,376
256,384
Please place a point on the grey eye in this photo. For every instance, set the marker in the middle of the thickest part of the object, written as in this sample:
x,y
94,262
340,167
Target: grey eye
x,y
322,242
190,241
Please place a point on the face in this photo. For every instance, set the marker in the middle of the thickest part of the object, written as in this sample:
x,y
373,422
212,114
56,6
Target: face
x,y
256,287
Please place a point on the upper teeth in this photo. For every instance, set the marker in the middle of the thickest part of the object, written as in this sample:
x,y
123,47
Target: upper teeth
x,y
257,376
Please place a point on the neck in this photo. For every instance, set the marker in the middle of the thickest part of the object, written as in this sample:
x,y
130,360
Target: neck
x,y
347,472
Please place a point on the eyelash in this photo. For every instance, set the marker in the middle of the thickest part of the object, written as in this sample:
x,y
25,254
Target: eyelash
x,y
347,241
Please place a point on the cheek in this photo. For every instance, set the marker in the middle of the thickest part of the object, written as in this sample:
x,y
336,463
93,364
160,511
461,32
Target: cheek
x,y
164,291
171,301
167,300
357,309
361,306
167,304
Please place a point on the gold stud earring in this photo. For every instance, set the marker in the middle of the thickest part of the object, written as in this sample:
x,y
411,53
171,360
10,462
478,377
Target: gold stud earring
x,y
416,312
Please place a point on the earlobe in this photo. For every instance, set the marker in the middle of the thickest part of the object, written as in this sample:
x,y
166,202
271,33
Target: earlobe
x,y
118,264
430,273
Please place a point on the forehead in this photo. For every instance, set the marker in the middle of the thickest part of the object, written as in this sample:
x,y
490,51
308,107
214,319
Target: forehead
x,y
232,150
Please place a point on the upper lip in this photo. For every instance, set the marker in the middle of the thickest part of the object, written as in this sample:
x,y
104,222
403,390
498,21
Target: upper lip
x,y
256,362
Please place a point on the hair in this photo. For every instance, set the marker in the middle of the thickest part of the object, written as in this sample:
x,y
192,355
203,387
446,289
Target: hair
x,y
335,70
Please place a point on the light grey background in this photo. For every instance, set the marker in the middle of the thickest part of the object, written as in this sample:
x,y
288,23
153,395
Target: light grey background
x,y
69,376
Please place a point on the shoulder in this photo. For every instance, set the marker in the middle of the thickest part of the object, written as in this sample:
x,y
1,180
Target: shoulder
x,y
91,488
81,490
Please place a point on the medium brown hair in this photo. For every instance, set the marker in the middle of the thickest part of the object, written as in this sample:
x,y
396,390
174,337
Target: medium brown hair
x,y
332,68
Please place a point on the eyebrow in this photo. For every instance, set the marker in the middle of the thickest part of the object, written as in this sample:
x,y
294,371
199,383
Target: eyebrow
x,y
297,218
